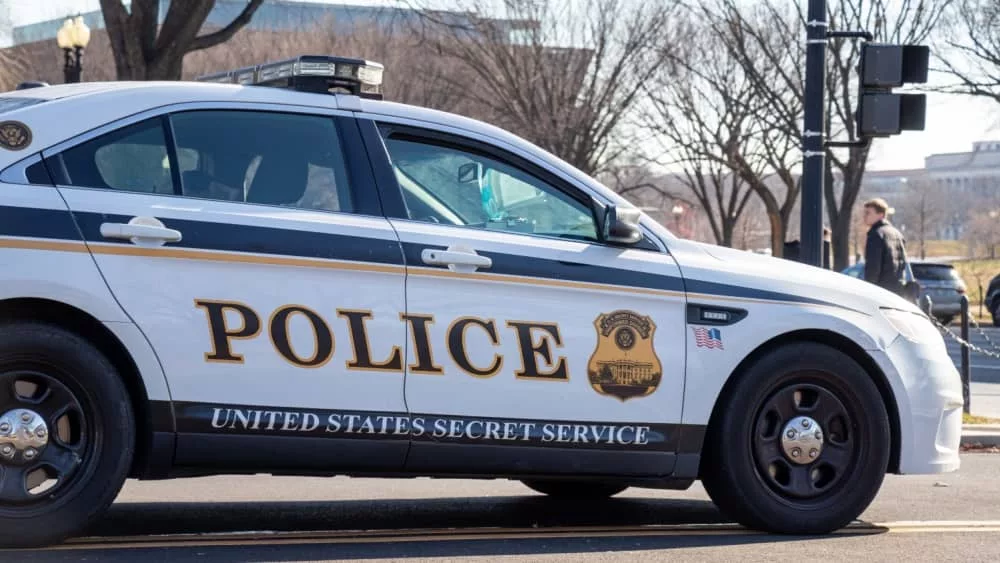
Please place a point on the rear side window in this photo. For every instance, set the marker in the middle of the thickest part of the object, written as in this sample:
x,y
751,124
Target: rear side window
x,y
936,273
269,158
132,159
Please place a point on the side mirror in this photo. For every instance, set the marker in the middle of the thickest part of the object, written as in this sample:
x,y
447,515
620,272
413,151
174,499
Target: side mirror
x,y
621,225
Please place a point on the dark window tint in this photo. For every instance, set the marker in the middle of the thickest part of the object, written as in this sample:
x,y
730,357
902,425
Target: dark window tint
x,y
934,272
133,159
262,157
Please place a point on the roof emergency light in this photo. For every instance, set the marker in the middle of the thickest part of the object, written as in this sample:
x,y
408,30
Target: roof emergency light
x,y
309,73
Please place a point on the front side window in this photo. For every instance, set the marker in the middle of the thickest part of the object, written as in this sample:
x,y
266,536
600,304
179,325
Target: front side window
x,y
448,185
267,158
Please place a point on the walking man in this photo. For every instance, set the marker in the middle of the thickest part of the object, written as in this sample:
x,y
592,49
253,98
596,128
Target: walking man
x,y
885,252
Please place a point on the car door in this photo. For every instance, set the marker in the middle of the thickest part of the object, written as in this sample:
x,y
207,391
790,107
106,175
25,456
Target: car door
x,y
247,244
534,347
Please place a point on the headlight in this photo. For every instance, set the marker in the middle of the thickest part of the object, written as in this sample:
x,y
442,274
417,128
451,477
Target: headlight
x,y
911,326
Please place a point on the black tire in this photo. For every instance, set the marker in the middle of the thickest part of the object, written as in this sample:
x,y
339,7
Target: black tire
x,y
756,492
90,443
574,489
996,313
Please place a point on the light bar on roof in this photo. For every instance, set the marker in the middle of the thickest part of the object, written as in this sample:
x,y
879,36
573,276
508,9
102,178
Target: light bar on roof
x,y
310,73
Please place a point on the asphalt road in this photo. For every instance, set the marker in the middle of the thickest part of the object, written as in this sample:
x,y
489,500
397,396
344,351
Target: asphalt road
x,y
952,517
985,369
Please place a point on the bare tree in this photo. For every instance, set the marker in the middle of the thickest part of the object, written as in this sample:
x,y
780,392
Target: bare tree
x,y
146,50
984,231
922,210
565,75
700,107
904,21
763,39
973,39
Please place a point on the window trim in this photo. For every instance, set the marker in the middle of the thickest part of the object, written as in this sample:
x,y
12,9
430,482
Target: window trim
x,y
379,127
359,169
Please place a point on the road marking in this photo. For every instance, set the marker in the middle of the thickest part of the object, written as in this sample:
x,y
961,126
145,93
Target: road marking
x,y
276,538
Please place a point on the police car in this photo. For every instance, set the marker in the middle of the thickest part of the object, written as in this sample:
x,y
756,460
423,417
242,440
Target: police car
x,y
273,270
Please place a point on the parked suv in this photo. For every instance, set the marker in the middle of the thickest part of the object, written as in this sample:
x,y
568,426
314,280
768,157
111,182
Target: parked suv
x,y
939,280
993,299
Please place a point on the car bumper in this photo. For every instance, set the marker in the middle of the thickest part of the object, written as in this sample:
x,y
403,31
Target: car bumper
x,y
928,393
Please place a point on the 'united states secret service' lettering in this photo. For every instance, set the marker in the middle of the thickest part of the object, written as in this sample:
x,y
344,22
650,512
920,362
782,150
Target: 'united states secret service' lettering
x,y
243,420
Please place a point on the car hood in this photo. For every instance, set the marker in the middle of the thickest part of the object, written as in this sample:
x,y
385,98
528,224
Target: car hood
x,y
706,266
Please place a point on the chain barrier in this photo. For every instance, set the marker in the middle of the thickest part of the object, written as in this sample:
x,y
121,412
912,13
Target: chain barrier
x,y
982,333
969,345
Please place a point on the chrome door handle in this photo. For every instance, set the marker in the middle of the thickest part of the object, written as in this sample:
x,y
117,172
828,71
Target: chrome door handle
x,y
143,231
457,259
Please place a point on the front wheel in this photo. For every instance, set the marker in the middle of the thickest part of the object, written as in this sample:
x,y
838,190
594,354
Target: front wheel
x,y
66,434
801,443
574,489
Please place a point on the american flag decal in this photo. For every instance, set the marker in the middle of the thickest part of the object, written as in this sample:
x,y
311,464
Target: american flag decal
x,y
708,337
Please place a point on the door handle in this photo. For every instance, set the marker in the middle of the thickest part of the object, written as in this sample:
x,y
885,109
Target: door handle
x,y
143,231
458,259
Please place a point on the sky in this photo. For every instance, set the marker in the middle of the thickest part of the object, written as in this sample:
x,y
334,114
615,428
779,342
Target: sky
x,y
953,123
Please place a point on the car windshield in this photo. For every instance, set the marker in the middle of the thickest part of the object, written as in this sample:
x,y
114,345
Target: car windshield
x,y
935,272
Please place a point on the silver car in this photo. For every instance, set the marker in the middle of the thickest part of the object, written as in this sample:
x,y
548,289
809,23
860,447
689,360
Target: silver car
x,y
939,280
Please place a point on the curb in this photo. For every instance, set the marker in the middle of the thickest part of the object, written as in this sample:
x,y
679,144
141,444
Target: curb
x,y
981,435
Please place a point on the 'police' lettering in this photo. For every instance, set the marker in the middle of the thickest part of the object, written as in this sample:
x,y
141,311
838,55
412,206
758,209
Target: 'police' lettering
x,y
529,351
457,346
323,349
221,333
362,349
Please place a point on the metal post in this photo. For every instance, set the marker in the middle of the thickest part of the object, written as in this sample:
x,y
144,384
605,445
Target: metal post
x,y
966,368
814,136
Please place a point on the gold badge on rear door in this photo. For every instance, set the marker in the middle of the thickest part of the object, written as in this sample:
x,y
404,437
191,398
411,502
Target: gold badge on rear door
x,y
14,135
624,364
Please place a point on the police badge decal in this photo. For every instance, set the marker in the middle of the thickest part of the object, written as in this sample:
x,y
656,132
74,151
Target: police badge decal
x,y
624,364
14,135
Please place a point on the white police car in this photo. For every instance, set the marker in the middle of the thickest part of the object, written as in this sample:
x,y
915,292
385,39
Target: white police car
x,y
201,278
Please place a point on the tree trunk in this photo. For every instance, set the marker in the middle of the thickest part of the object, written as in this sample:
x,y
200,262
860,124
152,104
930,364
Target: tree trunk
x,y
727,232
778,227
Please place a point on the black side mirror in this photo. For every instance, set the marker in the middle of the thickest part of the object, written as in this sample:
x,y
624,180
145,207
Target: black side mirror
x,y
621,225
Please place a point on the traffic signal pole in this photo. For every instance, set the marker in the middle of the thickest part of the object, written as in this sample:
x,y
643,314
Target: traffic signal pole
x,y
814,136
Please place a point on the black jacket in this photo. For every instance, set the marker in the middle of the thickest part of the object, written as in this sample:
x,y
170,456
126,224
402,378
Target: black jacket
x,y
885,256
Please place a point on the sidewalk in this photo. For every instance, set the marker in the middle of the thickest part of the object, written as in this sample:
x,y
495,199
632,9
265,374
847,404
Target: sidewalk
x,y
984,401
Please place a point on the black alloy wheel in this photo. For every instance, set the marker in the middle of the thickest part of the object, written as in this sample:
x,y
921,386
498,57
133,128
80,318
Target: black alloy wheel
x,y
66,434
44,436
799,444
803,441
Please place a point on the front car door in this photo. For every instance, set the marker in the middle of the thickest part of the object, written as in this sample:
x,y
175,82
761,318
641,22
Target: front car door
x,y
534,347
246,242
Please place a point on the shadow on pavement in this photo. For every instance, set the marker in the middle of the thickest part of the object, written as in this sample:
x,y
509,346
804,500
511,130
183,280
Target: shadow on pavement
x,y
130,519
137,519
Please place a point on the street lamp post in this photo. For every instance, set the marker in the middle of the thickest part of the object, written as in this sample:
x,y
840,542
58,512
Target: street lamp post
x,y
72,38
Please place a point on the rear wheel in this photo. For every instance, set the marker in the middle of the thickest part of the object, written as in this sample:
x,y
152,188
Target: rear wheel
x,y
66,434
801,444
574,489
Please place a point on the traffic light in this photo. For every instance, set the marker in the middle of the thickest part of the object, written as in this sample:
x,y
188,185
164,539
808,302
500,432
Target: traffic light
x,y
881,113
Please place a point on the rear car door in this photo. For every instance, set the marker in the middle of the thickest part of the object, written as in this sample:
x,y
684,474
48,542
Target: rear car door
x,y
247,243
535,348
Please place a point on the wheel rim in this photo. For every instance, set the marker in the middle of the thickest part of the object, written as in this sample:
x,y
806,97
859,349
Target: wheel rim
x,y
44,438
804,441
